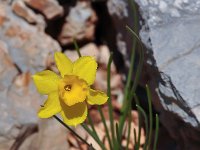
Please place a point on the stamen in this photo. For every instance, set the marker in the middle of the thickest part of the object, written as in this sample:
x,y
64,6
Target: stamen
x,y
67,87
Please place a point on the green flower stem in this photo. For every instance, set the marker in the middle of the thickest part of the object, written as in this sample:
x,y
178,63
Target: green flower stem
x,y
105,126
109,100
92,125
156,133
93,135
146,124
66,126
77,48
150,115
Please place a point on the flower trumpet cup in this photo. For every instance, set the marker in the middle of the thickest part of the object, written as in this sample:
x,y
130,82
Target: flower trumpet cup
x,y
69,93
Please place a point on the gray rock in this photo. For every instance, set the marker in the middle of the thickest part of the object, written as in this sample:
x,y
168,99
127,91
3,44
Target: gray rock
x,y
174,34
52,135
89,49
28,46
20,8
119,40
158,12
7,69
49,8
8,121
79,24
19,100
118,8
8,72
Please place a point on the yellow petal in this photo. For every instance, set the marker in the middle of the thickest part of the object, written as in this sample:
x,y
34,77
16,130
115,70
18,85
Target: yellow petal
x,y
74,115
46,81
96,97
85,67
51,106
63,63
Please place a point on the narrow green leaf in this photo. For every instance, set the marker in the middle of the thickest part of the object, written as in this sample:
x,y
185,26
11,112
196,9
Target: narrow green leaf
x,y
129,128
127,100
135,83
150,115
156,133
117,132
77,48
105,126
146,124
140,120
135,139
110,108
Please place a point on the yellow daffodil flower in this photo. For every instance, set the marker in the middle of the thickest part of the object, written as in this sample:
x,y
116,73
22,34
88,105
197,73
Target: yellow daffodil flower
x,y
69,93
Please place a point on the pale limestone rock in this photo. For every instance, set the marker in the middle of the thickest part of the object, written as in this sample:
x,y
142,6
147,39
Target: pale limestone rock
x,y
79,24
49,8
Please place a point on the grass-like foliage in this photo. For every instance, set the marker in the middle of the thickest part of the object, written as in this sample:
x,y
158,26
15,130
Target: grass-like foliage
x,y
115,135
115,138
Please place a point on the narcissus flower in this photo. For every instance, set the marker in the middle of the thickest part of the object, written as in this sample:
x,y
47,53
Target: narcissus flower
x,y
69,93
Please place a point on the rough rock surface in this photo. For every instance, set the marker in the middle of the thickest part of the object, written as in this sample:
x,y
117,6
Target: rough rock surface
x,y
170,32
79,24
55,135
174,35
15,91
49,8
20,8
89,49
171,35
28,46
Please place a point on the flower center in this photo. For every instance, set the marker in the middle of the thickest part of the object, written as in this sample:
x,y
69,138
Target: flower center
x,y
67,87
72,90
